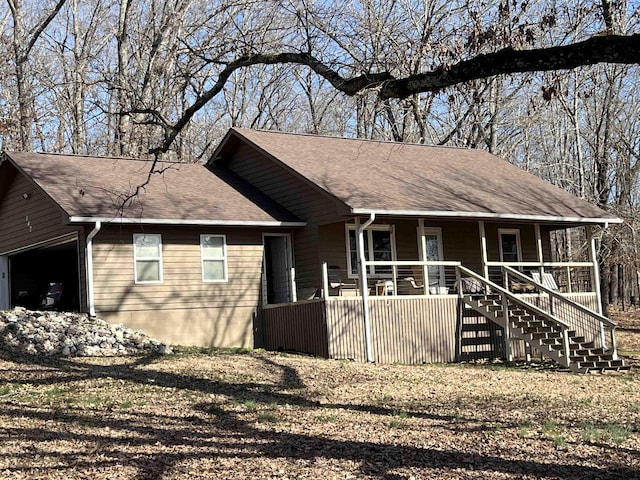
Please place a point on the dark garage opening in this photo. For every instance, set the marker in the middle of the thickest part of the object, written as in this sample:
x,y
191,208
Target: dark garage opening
x,y
32,272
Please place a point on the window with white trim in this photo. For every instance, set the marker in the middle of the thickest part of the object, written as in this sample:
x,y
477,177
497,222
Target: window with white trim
x,y
382,240
147,255
214,257
510,250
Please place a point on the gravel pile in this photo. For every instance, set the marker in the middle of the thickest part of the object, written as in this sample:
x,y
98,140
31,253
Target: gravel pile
x,y
70,334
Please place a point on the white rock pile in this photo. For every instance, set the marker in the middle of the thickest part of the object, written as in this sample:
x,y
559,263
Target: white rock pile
x,y
70,334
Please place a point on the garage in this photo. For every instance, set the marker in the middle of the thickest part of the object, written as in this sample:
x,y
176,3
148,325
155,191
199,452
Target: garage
x,y
45,278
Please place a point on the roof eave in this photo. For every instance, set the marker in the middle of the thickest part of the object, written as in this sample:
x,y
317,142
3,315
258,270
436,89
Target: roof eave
x,y
488,216
186,222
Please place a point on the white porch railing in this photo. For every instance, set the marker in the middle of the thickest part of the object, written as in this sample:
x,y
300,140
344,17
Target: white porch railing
x,y
568,277
393,278
416,277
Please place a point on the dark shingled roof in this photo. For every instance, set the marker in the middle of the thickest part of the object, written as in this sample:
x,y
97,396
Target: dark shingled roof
x,y
395,178
95,187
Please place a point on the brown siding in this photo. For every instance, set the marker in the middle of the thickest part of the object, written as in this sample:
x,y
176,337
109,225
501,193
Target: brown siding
x,y
461,242
181,309
293,193
299,327
527,240
27,222
299,198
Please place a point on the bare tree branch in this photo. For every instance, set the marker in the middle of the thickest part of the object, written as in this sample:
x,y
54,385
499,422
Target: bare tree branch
x,y
349,86
597,49
39,28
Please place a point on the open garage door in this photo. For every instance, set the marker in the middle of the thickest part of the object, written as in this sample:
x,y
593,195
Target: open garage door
x,y
43,272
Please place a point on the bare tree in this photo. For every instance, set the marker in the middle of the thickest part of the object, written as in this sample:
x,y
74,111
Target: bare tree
x,y
23,40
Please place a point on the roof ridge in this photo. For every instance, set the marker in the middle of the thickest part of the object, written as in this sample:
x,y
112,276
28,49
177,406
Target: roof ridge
x,y
368,140
101,157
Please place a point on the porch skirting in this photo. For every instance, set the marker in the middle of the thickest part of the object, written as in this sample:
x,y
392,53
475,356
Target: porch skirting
x,y
407,330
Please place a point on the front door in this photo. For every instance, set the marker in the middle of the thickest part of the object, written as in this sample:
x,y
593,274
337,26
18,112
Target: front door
x,y
277,268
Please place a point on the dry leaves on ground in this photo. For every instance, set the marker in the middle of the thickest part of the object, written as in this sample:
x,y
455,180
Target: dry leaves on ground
x,y
262,415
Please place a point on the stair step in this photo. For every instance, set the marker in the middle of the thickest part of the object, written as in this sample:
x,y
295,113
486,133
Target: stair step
x,y
485,303
589,351
587,358
574,347
527,321
543,335
540,329
603,364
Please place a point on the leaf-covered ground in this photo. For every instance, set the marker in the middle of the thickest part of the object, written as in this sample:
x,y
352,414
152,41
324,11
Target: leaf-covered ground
x,y
262,415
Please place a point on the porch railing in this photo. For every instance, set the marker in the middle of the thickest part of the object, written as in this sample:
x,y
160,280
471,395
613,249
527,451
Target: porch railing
x,y
391,278
585,321
570,277
415,277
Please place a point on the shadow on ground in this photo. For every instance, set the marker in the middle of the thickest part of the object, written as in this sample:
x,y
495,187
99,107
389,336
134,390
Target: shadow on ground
x,y
215,431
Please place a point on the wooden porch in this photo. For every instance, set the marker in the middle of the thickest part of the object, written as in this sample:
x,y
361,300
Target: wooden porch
x,y
436,310
409,329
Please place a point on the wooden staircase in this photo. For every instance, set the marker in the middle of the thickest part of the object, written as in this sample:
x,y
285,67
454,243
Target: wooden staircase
x,y
546,335
551,329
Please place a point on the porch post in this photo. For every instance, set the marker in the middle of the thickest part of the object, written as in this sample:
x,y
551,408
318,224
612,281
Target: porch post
x,y
364,288
539,250
483,250
595,279
423,256
595,269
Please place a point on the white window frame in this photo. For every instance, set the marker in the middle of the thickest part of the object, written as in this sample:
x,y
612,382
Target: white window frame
x,y
224,259
368,231
147,259
510,231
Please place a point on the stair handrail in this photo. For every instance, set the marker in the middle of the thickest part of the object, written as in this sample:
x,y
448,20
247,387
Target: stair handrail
x,y
561,297
514,298
564,327
572,303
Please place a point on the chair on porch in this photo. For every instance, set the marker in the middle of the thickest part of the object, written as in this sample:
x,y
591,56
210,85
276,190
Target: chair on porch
x,y
337,284
414,285
547,280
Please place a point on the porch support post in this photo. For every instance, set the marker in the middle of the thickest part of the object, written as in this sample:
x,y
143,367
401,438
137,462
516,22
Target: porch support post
x,y
595,279
508,345
423,256
364,288
483,250
325,280
536,227
595,270
294,288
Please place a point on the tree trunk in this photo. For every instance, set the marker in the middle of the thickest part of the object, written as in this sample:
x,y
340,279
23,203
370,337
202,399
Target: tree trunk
x,y
613,285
